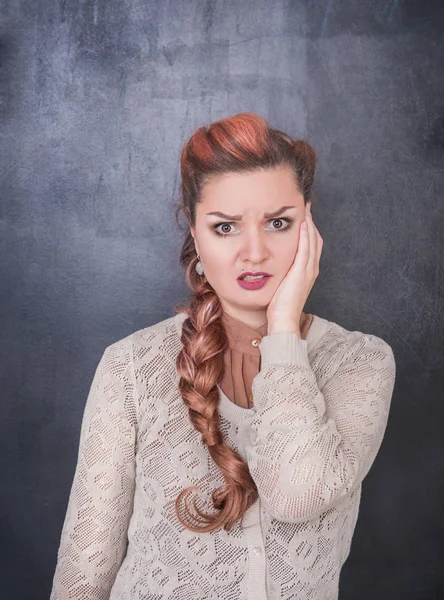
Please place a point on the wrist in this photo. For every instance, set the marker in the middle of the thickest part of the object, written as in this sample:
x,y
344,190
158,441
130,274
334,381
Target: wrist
x,y
287,327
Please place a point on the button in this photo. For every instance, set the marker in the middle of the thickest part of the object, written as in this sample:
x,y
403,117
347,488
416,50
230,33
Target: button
x,y
257,550
255,342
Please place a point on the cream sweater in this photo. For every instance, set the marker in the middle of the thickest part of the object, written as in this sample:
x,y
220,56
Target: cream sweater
x,y
320,412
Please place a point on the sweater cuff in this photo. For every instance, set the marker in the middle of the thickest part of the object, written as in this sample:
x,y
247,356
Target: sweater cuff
x,y
284,347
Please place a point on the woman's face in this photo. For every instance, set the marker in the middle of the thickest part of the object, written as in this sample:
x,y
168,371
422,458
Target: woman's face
x,y
243,238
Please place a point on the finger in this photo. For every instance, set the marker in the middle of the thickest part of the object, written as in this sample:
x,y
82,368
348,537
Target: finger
x,y
311,262
319,244
303,248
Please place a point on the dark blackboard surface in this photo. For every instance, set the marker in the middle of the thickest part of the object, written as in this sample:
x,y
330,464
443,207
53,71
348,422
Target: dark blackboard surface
x,y
96,100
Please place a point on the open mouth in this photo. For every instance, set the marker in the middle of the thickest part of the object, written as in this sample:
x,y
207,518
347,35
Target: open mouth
x,y
250,276
255,283
255,278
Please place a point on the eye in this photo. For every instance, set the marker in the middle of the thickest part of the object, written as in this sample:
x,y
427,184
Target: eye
x,y
286,219
229,224
221,225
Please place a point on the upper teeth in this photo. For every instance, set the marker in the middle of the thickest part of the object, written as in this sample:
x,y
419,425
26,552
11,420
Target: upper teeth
x,y
252,277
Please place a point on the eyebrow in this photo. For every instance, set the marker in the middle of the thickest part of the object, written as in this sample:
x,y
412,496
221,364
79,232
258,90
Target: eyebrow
x,y
239,217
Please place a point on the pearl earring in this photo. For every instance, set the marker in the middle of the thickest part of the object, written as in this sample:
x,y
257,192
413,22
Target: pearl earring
x,y
199,268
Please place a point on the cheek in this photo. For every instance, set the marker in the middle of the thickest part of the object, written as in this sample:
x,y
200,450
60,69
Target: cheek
x,y
217,258
218,265
215,255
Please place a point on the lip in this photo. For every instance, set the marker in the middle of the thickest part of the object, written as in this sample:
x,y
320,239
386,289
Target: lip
x,y
253,285
254,273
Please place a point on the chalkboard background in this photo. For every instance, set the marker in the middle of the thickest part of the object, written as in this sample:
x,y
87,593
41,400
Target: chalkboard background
x,y
96,101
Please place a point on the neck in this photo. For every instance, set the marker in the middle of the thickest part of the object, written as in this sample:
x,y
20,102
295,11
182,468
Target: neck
x,y
252,319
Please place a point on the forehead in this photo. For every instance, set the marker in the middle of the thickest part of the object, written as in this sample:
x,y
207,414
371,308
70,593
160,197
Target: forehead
x,y
239,191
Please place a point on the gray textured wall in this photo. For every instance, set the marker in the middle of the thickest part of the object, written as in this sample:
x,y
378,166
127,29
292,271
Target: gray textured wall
x,y
96,101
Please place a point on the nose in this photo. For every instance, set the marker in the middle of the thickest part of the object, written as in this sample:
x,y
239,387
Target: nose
x,y
254,248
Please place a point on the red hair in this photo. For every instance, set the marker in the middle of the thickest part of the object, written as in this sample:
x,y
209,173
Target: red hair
x,y
240,143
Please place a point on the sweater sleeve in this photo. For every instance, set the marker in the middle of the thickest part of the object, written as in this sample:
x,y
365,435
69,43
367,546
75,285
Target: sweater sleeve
x,y
308,448
94,534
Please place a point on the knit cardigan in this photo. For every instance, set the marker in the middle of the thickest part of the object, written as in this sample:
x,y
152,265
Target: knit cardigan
x,y
320,412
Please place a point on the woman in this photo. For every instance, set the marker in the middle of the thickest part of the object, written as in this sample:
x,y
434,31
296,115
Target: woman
x,y
270,417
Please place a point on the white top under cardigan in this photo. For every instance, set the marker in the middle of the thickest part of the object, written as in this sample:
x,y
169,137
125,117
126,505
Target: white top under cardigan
x,y
320,412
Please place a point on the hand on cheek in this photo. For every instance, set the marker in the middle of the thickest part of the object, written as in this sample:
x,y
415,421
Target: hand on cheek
x,y
290,297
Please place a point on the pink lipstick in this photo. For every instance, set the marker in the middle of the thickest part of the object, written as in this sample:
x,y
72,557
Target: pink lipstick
x,y
253,284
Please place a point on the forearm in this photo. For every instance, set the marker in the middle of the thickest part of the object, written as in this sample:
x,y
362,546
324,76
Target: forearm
x,y
94,534
309,448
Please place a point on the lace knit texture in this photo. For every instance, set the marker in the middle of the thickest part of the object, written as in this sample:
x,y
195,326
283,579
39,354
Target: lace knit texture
x,y
320,412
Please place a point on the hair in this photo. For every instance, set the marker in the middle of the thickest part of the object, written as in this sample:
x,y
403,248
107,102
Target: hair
x,y
237,144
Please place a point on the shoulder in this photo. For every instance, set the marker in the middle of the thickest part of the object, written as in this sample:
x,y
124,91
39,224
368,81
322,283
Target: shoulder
x,y
146,336
336,345
140,362
150,348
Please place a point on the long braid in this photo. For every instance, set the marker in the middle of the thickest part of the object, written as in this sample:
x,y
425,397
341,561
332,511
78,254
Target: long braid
x,y
201,368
